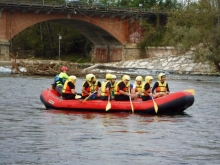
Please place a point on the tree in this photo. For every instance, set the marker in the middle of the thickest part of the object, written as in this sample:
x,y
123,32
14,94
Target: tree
x,y
196,25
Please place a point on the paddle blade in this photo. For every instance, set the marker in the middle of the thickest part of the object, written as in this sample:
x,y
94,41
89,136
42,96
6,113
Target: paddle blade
x,y
78,97
108,106
190,91
155,106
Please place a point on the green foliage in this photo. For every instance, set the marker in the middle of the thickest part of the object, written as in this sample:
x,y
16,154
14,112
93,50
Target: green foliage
x,y
153,35
195,25
43,39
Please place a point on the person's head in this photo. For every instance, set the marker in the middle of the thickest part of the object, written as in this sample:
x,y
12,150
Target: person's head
x,y
94,79
126,79
138,80
89,77
162,77
149,79
108,76
113,78
72,79
64,69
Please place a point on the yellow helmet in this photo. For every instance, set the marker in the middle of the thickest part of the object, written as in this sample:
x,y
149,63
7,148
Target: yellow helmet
x,y
138,78
108,76
148,78
72,78
89,77
114,76
126,77
160,75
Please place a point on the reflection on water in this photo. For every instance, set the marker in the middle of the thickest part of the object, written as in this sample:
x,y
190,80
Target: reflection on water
x,y
29,134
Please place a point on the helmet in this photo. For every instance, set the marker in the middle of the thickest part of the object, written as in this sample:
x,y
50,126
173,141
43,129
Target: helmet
x,y
148,78
138,78
72,78
114,76
108,76
160,75
89,77
126,77
63,68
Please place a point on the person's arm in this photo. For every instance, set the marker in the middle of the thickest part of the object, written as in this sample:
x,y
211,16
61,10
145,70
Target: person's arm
x,y
154,87
146,87
108,88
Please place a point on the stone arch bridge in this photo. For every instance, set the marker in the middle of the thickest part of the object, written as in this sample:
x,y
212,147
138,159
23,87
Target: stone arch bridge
x,y
114,32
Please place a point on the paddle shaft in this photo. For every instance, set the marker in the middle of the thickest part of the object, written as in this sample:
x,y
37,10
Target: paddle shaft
x,y
132,108
89,96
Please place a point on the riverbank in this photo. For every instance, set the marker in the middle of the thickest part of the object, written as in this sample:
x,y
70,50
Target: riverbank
x,y
184,64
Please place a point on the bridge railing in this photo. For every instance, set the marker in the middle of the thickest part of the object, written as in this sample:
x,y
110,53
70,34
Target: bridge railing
x,y
65,4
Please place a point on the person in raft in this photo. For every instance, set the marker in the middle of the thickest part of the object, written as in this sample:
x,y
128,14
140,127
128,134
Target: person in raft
x,y
161,87
113,86
146,89
106,87
96,86
137,88
62,78
87,87
122,90
69,88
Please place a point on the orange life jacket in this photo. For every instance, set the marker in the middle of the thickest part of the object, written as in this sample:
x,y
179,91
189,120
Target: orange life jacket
x,y
87,89
161,87
66,89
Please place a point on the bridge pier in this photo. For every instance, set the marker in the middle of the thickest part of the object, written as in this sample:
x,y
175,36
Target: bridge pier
x,y
4,50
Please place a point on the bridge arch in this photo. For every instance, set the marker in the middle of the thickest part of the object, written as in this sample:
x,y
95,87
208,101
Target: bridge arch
x,y
114,33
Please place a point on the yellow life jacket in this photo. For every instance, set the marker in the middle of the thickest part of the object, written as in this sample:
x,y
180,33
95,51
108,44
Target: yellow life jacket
x,y
138,88
113,88
94,87
103,88
161,87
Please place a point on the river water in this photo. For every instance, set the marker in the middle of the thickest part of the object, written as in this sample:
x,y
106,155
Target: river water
x,y
29,134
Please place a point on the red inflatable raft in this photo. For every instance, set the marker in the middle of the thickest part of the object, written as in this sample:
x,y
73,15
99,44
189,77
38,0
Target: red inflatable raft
x,y
173,103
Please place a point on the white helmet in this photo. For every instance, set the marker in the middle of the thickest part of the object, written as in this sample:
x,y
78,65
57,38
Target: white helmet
x,y
72,78
114,76
148,78
160,75
89,77
138,78
126,77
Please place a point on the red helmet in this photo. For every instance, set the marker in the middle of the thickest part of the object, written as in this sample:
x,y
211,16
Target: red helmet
x,y
63,68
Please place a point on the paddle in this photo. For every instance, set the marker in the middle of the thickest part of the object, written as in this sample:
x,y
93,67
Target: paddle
x,y
108,106
155,105
190,91
89,96
132,108
78,97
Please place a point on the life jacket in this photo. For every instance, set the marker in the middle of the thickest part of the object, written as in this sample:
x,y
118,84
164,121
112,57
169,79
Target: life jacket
x,y
113,88
138,88
147,91
161,87
60,79
125,88
66,89
94,87
87,89
103,88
